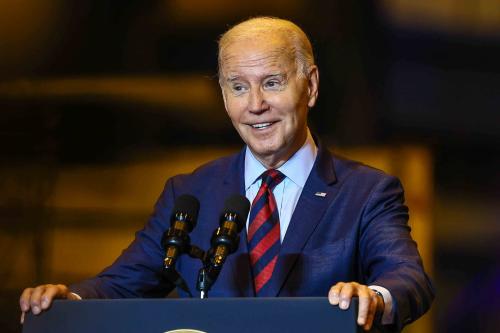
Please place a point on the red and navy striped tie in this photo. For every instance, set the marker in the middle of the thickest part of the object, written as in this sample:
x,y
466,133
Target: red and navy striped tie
x,y
264,230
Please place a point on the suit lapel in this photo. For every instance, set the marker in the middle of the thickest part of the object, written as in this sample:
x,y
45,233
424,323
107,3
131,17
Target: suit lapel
x,y
239,261
315,198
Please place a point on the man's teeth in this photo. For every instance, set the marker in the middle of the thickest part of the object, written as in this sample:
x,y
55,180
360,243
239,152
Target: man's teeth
x,y
263,125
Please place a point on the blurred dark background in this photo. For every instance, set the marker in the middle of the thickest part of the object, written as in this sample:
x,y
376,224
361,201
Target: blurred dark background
x,y
93,89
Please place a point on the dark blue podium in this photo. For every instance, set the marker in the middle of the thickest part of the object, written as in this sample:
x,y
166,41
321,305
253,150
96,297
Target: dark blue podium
x,y
215,315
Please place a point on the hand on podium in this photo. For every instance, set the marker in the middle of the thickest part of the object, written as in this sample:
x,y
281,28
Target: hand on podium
x,y
39,298
370,302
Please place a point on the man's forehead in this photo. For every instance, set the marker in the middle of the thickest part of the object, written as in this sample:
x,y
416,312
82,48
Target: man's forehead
x,y
255,57
270,42
271,56
256,67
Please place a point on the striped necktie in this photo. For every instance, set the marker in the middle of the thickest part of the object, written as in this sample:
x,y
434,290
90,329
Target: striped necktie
x,y
264,230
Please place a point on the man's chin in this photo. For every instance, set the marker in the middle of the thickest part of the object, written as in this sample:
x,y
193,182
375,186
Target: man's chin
x,y
263,151
271,158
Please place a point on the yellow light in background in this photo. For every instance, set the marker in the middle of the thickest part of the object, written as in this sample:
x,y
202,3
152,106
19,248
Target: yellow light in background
x,y
27,29
464,16
214,11
152,90
197,96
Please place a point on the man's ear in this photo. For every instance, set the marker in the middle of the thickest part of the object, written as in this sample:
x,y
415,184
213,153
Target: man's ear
x,y
312,86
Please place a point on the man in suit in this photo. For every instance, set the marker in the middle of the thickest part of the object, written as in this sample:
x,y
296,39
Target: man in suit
x,y
331,226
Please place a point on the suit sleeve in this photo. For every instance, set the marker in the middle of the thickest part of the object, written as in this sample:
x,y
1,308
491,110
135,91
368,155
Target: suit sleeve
x,y
389,256
137,271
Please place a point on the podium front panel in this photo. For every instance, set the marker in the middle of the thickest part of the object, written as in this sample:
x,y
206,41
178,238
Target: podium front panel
x,y
215,315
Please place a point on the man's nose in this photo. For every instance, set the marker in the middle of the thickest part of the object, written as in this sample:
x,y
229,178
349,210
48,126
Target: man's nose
x,y
257,102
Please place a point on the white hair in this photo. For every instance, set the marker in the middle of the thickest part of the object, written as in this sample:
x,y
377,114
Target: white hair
x,y
298,45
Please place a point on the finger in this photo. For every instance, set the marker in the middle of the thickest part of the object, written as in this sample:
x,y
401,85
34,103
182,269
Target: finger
x,y
22,317
371,312
24,300
35,299
346,295
49,294
334,293
364,297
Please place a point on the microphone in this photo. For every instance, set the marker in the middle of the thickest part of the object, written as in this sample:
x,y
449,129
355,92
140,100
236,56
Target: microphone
x,y
176,239
225,239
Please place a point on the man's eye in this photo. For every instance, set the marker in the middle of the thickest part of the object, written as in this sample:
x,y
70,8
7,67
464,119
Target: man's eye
x,y
238,88
272,84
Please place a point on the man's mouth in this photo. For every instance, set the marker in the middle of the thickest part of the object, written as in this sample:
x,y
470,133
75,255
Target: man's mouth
x,y
262,125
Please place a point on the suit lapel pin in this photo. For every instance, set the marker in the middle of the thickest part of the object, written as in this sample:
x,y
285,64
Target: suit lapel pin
x,y
320,194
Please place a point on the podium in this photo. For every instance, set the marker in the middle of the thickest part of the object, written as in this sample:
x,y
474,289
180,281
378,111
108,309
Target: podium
x,y
215,315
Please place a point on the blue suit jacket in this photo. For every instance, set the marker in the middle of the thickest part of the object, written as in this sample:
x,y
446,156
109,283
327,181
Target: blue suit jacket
x,y
357,232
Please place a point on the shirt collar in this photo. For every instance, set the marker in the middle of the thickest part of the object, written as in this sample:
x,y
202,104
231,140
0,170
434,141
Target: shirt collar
x,y
297,168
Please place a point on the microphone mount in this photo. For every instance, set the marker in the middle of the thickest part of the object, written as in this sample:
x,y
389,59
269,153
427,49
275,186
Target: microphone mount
x,y
224,241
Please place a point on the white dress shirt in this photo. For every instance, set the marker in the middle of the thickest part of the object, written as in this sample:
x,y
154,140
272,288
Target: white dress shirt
x,y
286,193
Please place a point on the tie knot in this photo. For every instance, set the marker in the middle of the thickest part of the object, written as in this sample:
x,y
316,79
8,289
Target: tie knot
x,y
271,178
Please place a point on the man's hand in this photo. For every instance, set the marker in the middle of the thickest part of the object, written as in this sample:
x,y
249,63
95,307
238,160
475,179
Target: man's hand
x,y
39,298
370,302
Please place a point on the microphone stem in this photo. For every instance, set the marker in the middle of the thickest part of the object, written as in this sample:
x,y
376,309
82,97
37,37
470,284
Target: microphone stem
x,y
172,253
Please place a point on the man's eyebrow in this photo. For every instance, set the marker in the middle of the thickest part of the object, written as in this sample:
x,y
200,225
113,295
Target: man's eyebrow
x,y
232,78
276,75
